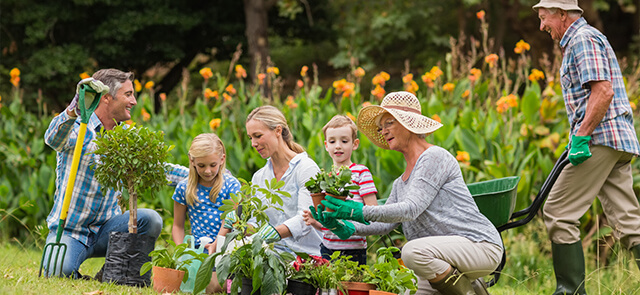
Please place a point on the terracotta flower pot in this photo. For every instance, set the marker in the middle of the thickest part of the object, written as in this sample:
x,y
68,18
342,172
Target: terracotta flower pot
x,y
337,197
167,280
357,288
376,292
317,198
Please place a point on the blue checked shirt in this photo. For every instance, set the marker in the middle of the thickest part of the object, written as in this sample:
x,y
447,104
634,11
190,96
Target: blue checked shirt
x,y
90,207
588,56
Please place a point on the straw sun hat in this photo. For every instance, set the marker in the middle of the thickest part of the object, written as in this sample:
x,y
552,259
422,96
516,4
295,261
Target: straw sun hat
x,y
404,107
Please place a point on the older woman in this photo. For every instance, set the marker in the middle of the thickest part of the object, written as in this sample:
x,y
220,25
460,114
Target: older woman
x,y
450,243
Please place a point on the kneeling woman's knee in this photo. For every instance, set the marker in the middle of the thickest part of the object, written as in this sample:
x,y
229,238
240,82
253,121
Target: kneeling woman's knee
x,y
416,256
149,222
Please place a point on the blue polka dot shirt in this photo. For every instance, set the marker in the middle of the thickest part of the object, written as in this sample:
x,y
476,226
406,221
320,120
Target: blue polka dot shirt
x,y
204,216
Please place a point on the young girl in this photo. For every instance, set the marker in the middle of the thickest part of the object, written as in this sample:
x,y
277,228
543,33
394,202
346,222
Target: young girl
x,y
201,194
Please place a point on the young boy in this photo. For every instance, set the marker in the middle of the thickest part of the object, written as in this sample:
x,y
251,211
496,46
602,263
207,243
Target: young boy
x,y
341,139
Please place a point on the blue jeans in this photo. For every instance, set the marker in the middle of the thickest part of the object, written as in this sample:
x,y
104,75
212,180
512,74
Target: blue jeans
x,y
149,223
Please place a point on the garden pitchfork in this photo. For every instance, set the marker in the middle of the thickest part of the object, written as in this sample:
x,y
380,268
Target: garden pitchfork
x,y
59,248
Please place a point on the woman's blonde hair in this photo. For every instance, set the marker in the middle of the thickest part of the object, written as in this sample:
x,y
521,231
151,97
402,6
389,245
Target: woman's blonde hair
x,y
272,117
203,145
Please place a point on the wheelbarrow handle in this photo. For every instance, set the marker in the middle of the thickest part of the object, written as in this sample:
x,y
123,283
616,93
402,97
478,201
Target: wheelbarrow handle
x,y
532,210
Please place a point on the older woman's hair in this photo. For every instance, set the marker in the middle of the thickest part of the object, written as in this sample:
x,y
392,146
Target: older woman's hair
x,y
272,117
204,145
113,78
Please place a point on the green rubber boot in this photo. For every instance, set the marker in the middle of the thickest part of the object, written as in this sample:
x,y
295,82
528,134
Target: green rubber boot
x,y
568,264
454,283
636,253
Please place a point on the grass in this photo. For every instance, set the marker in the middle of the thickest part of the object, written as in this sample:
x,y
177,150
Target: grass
x,y
528,270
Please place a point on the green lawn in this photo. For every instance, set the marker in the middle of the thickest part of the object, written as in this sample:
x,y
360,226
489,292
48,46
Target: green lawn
x,y
528,270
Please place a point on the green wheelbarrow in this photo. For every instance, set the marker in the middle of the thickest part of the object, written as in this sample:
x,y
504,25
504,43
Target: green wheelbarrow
x,y
496,199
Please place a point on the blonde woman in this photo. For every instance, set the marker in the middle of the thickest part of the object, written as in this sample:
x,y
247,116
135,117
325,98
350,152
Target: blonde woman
x,y
287,161
450,243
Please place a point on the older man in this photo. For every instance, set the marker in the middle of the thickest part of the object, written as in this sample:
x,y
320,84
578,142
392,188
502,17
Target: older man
x,y
94,212
603,142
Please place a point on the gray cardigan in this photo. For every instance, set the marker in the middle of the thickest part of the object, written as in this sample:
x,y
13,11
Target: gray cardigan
x,y
434,201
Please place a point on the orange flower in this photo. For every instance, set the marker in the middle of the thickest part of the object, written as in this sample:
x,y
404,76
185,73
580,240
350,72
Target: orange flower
x,y
448,87
348,89
359,72
214,124
149,85
137,85
475,74
407,78
209,94
436,72
506,102
230,89
206,73
300,83
411,87
303,71
273,70
351,116
15,81
521,47
84,75
378,92
536,75
491,59
290,103
240,72
633,105
480,14
261,77
366,104
145,115
429,78
15,76
15,72
338,85
435,117
380,78
129,122
466,93
163,96
462,156
226,96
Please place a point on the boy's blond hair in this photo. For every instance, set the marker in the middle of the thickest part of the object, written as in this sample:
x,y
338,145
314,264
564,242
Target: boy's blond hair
x,y
340,121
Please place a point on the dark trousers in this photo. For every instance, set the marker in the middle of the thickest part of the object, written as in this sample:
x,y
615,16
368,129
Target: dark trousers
x,y
357,255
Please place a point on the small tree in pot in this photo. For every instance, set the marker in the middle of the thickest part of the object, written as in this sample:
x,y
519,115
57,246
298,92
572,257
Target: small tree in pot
x,y
132,161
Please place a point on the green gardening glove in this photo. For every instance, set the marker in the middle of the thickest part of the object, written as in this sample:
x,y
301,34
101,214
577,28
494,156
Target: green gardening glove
x,y
269,234
579,151
350,210
342,228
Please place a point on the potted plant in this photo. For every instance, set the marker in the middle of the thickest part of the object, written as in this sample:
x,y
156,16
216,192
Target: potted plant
x,y
247,257
336,183
170,268
303,278
328,276
313,185
389,275
352,275
131,160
